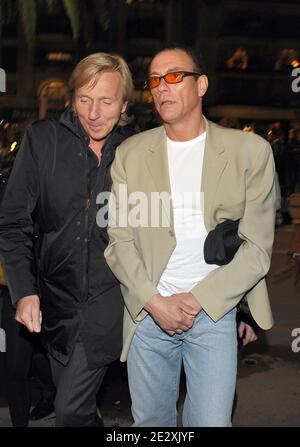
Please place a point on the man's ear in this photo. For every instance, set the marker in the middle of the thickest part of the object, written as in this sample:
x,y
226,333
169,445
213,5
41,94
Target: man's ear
x,y
202,85
124,107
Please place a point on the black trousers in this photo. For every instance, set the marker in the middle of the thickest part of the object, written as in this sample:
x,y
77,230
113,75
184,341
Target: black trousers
x,y
76,390
24,354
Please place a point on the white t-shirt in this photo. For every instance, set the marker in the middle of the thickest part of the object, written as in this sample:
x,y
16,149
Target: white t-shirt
x,y
186,266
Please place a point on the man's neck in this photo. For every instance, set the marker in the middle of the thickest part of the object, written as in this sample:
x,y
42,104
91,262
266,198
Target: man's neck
x,y
97,147
185,131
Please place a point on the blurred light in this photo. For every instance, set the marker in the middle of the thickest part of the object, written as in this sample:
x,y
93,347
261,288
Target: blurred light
x,y
13,146
295,63
239,59
286,58
6,125
66,57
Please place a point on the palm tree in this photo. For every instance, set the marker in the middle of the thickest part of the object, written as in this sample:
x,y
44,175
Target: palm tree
x,y
81,13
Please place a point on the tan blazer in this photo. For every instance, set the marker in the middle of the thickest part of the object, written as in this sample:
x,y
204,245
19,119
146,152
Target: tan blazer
x,y
237,182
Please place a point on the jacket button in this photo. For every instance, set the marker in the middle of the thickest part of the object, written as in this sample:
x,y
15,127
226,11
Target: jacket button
x,y
78,238
80,154
78,223
171,232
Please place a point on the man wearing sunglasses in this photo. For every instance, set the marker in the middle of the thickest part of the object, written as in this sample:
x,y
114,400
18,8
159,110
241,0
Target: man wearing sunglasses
x,y
180,310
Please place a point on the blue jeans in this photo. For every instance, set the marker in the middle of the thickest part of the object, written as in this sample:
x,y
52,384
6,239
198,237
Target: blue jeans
x,y
208,352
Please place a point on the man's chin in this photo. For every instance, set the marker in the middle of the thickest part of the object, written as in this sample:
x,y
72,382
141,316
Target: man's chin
x,y
99,136
168,117
169,120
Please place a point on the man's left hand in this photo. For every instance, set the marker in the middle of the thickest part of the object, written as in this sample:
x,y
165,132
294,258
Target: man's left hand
x,y
188,298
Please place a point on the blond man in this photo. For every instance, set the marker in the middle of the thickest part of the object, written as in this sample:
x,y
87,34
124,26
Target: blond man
x,y
61,168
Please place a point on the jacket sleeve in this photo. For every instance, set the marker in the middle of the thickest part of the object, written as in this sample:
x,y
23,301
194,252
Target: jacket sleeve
x,y
16,223
224,287
121,253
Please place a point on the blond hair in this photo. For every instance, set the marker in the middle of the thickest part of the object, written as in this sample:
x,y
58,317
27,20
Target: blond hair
x,y
89,69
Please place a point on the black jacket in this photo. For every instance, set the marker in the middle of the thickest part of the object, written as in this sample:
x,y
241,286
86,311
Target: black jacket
x,y
49,186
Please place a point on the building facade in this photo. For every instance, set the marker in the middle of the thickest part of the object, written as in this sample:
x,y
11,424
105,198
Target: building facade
x,y
250,49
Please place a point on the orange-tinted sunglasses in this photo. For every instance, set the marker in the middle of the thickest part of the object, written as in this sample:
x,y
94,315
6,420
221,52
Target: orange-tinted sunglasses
x,y
173,77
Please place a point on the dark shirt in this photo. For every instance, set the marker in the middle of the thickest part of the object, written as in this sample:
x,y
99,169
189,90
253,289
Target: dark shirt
x,y
93,167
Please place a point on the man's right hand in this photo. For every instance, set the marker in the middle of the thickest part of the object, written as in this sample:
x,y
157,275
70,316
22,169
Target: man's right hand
x,y
171,313
28,313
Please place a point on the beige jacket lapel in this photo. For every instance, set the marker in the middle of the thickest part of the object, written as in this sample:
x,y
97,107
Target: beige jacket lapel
x,y
158,167
214,163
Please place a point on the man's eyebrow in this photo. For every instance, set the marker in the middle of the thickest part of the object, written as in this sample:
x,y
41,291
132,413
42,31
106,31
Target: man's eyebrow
x,y
106,97
81,95
100,97
170,70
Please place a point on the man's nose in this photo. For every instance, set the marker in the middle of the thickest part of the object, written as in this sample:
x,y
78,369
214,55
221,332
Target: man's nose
x,y
162,86
94,110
